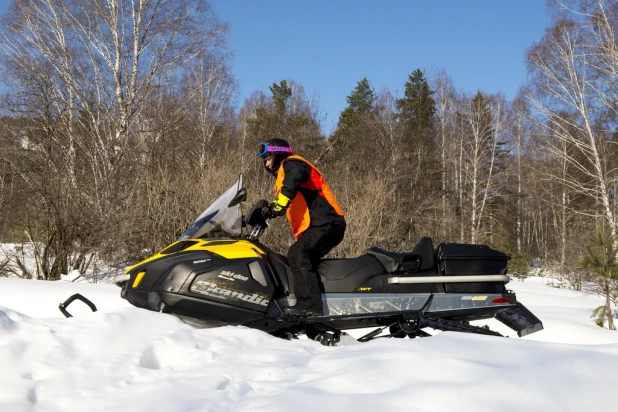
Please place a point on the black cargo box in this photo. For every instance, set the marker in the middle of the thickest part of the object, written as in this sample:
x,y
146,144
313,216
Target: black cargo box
x,y
464,259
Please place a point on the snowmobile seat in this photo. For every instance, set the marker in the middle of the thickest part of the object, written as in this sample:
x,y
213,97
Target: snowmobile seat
x,y
420,259
424,248
336,275
363,266
396,261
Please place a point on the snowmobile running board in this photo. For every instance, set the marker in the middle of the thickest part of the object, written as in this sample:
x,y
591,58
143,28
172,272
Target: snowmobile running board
x,y
450,279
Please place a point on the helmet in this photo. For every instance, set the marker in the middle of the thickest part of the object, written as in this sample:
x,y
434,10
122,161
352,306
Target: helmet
x,y
275,149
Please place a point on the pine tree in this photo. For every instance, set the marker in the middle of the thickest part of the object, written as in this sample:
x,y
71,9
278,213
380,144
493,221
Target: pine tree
x,y
360,103
361,100
286,115
281,93
272,120
417,109
350,140
415,112
602,260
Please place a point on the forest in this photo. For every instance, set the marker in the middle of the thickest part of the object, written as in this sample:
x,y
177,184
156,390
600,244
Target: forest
x,y
118,126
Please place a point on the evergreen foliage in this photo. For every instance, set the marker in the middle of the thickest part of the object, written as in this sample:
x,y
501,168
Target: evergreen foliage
x,y
601,257
518,266
286,116
600,316
419,169
362,99
417,109
360,103
351,138
281,93
602,261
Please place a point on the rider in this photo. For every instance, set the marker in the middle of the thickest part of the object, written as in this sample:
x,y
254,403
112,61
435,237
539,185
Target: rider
x,y
316,219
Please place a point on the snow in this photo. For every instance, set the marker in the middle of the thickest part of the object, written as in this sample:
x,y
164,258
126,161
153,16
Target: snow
x,y
122,358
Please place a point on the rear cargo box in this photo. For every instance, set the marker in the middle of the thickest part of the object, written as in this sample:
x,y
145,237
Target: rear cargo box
x,y
463,259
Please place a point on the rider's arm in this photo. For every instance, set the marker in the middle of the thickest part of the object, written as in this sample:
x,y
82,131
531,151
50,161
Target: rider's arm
x,y
296,173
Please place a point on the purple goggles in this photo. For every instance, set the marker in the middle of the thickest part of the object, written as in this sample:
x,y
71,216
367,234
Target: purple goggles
x,y
264,149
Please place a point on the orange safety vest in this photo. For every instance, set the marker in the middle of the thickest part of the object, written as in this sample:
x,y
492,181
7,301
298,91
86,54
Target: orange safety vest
x,y
298,211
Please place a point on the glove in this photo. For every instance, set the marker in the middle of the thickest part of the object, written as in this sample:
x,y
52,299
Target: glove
x,y
278,206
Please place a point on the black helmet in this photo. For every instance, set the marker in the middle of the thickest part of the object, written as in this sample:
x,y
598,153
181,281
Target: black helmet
x,y
277,150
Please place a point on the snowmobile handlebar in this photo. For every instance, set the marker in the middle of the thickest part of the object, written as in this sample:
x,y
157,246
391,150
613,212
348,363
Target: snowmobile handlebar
x,y
258,218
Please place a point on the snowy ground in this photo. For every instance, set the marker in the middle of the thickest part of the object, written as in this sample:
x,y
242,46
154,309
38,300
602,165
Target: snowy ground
x,y
127,359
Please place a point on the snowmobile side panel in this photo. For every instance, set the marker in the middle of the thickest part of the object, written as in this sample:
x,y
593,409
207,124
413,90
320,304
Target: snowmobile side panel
x,y
338,304
189,277
157,270
227,248
240,291
210,311
238,249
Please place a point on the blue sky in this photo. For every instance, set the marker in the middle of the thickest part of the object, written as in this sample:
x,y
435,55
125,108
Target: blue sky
x,y
329,45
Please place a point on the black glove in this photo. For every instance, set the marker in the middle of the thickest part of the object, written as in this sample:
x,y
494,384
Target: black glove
x,y
276,210
277,207
270,211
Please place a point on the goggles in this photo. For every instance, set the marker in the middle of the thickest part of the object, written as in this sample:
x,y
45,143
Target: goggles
x,y
264,149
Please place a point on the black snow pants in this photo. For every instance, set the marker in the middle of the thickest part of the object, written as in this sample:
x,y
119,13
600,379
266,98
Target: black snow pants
x,y
304,256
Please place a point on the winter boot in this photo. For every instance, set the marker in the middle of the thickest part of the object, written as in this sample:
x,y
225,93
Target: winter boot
x,y
301,309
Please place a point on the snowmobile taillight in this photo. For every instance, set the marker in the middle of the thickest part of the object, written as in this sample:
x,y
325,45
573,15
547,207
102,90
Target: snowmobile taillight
x,y
502,300
138,279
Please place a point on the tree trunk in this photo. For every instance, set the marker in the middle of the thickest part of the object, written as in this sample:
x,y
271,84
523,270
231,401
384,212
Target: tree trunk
x,y
608,307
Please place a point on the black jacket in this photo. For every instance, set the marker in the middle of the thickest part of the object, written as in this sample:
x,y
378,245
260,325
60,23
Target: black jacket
x,y
297,172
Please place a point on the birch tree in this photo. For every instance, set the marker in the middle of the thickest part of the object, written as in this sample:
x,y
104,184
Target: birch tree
x,y
104,61
565,66
519,136
82,72
445,125
210,90
483,124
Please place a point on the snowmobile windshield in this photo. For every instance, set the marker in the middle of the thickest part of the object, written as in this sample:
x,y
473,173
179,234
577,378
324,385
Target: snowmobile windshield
x,y
219,219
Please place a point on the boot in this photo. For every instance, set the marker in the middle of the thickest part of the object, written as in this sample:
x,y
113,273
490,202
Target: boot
x,y
301,309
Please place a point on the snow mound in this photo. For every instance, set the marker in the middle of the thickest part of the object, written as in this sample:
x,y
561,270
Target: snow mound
x,y
6,323
122,358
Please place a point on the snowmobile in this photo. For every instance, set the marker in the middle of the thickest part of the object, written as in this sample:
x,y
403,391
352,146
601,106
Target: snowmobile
x,y
218,273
